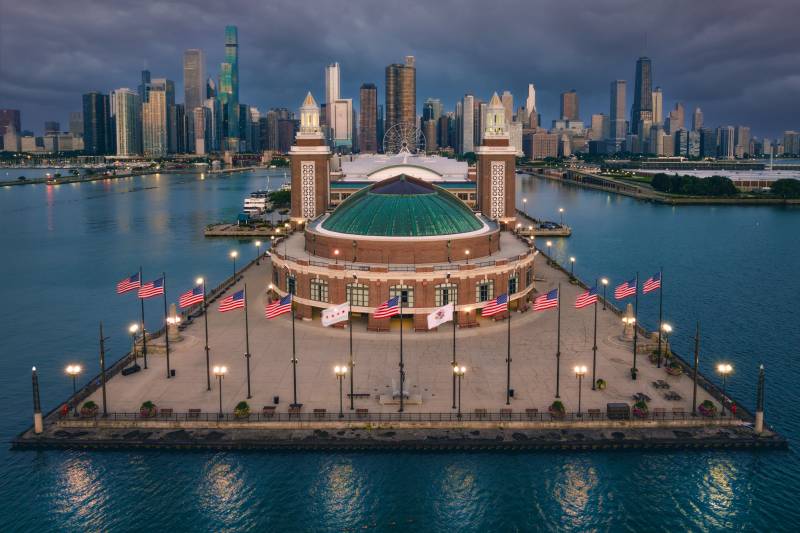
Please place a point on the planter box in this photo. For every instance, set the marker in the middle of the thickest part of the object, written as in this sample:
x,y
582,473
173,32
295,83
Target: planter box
x,y
674,370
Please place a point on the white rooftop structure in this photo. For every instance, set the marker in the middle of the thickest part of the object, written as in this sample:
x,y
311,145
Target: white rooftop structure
x,y
377,167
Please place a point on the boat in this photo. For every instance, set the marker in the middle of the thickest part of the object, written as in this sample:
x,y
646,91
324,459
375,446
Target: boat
x,y
257,203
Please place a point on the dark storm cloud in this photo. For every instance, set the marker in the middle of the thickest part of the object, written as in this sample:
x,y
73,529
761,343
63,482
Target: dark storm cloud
x,y
738,60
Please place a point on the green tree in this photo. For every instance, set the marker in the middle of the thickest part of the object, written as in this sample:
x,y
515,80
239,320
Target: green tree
x,y
786,188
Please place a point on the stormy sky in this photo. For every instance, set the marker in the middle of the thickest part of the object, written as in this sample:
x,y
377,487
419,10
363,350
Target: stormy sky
x,y
738,60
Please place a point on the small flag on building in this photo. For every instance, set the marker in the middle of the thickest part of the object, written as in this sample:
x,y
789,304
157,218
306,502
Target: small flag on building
x,y
191,297
388,308
546,301
334,315
440,316
128,284
152,288
586,298
234,301
625,289
652,283
496,306
279,307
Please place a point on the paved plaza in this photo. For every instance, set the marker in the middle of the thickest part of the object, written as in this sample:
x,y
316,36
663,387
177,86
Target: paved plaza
x,y
427,355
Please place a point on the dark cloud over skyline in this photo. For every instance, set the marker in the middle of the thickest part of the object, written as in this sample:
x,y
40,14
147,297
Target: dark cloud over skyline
x,y
738,60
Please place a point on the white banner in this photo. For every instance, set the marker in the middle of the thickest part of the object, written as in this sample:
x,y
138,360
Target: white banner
x,y
337,313
440,316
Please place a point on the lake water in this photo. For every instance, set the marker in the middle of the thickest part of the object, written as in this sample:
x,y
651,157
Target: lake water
x,y
734,268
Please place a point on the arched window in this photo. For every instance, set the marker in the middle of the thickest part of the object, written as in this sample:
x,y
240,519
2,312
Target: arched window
x,y
405,292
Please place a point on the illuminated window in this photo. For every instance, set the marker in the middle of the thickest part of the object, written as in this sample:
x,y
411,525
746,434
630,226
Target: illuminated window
x,y
484,291
359,293
319,290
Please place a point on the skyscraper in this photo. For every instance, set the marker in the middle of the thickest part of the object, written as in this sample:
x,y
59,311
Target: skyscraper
x,y
530,107
658,106
332,83
468,124
194,79
368,120
508,105
144,86
569,105
697,119
617,112
229,89
128,113
75,123
167,87
726,142
10,119
96,124
677,118
401,94
154,123
642,109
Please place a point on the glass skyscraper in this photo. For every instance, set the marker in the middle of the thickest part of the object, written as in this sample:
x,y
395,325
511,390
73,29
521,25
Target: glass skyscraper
x,y
642,109
229,88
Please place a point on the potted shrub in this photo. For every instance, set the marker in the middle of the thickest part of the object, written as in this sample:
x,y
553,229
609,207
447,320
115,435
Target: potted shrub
x,y
707,408
673,368
148,409
653,356
601,384
242,410
89,409
640,409
557,409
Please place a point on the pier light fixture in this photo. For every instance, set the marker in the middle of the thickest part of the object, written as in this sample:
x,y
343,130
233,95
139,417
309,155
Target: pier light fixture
x,y
530,228
133,329
466,253
580,371
220,371
628,320
234,254
561,212
341,372
199,281
73,371
572,266
604,281
549,255
724,369
336,255
459,372
258,251
525,206
519,225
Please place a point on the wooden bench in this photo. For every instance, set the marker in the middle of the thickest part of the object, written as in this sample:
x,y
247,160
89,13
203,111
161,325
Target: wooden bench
x,y
320,413
532,413
194,413
359,395
594,414
480,413
268,411
166,412
659,412
362,412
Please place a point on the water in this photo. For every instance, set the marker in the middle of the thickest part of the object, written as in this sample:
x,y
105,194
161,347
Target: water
x,y
66,247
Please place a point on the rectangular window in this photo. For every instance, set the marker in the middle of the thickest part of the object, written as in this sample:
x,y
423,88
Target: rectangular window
x,y
275,282
319,290
446,293
359,293
405,292
484,291
291,284
529,277
513,285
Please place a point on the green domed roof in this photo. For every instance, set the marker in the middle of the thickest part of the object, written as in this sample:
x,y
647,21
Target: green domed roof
x,y
402,206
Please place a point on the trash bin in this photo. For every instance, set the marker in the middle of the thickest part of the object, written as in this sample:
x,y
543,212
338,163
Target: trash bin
x,y
276,400
172,372
511,392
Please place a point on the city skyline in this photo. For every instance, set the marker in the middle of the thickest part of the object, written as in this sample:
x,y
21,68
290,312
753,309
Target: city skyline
x,y
695,62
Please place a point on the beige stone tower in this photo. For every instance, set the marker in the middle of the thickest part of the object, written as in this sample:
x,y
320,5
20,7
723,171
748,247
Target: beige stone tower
x,y
310,157
497,168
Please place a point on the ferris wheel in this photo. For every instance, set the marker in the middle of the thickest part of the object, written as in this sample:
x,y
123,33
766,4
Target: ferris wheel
x,y
403,138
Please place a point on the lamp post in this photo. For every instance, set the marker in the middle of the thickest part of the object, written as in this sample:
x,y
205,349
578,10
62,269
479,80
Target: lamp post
x,y
220,371
341,372
549,255
202,281
519,226
258,252
572,266
525,206
724,369
288,227
466,253
561,212
336,255
459,371
604,281
73,371
234,254
580,371
133,329
667,329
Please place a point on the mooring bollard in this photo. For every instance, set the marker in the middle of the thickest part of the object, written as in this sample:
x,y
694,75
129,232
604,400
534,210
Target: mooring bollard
x,y
38,427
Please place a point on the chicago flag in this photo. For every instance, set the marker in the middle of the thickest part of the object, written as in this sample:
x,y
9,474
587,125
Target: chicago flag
x,y
335,314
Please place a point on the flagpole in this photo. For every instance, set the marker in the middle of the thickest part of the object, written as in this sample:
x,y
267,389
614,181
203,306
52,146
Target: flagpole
x,y
454,363
350,327
402,373
166,324
696,359
294,355
247,342
103,368
660,314
635,325
594,345
508,353
144,332
205,318
558,343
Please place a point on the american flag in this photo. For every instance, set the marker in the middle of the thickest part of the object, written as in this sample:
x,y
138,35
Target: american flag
x,y
279,307
652,283
498,305
586,299
625,289
191,297
128,284
152,288
546,301
388,308
234,301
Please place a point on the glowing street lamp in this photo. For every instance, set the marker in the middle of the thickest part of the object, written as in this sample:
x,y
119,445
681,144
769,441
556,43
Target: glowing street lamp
x,y
549,253
572,266
604,281
133,329
525,206
234,254
466,253
220,372
73,371
561,212
667,329
341,372
258,251
459,372
580,371
724,369
336,255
